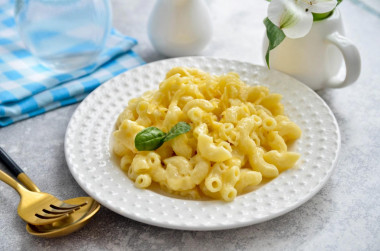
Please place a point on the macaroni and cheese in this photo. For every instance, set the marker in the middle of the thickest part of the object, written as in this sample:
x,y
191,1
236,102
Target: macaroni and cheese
x,y
239,135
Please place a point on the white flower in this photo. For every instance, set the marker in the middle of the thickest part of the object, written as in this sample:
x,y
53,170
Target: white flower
x,y
295,17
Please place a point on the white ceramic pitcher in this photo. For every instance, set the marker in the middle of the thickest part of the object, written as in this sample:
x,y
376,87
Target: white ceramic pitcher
x,y
179,27
317,58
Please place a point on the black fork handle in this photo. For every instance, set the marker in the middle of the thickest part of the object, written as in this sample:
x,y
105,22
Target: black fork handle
x,y
9,163
17,171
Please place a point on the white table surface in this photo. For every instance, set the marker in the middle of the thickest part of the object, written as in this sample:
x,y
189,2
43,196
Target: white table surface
x,y
344,215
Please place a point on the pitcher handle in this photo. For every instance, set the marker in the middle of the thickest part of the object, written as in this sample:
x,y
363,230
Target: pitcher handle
x,y
351,57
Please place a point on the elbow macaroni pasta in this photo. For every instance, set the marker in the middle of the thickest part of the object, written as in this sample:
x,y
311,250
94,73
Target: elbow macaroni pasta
x,y
239,135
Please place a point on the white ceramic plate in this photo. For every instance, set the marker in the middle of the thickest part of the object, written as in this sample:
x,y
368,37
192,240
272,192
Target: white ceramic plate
x,y
88,155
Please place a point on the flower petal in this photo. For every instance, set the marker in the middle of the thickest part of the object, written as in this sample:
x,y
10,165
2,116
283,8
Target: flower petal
x,y
322,6
277,8
291,17
301,26
304,4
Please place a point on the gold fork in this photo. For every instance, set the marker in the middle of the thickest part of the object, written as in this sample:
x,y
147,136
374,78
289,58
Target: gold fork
x,y
39,208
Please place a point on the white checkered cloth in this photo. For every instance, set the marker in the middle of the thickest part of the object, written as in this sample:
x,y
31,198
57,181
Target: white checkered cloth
x,y
28,88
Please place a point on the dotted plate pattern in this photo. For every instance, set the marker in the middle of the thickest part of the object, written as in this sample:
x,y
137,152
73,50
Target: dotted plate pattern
x,y
87,150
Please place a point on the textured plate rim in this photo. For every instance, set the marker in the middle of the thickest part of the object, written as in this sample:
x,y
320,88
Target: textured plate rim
x,y
118,210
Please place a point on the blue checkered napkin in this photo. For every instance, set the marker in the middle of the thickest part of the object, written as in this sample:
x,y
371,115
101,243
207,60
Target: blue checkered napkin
x,y
27,88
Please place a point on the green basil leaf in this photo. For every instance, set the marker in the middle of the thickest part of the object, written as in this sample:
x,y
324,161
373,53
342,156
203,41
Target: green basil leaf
x,y
149,139
178,129
275,36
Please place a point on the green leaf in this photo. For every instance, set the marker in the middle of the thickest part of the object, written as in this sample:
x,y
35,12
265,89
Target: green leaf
x,y
321,16
152,138
149,139
178,129
275,36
